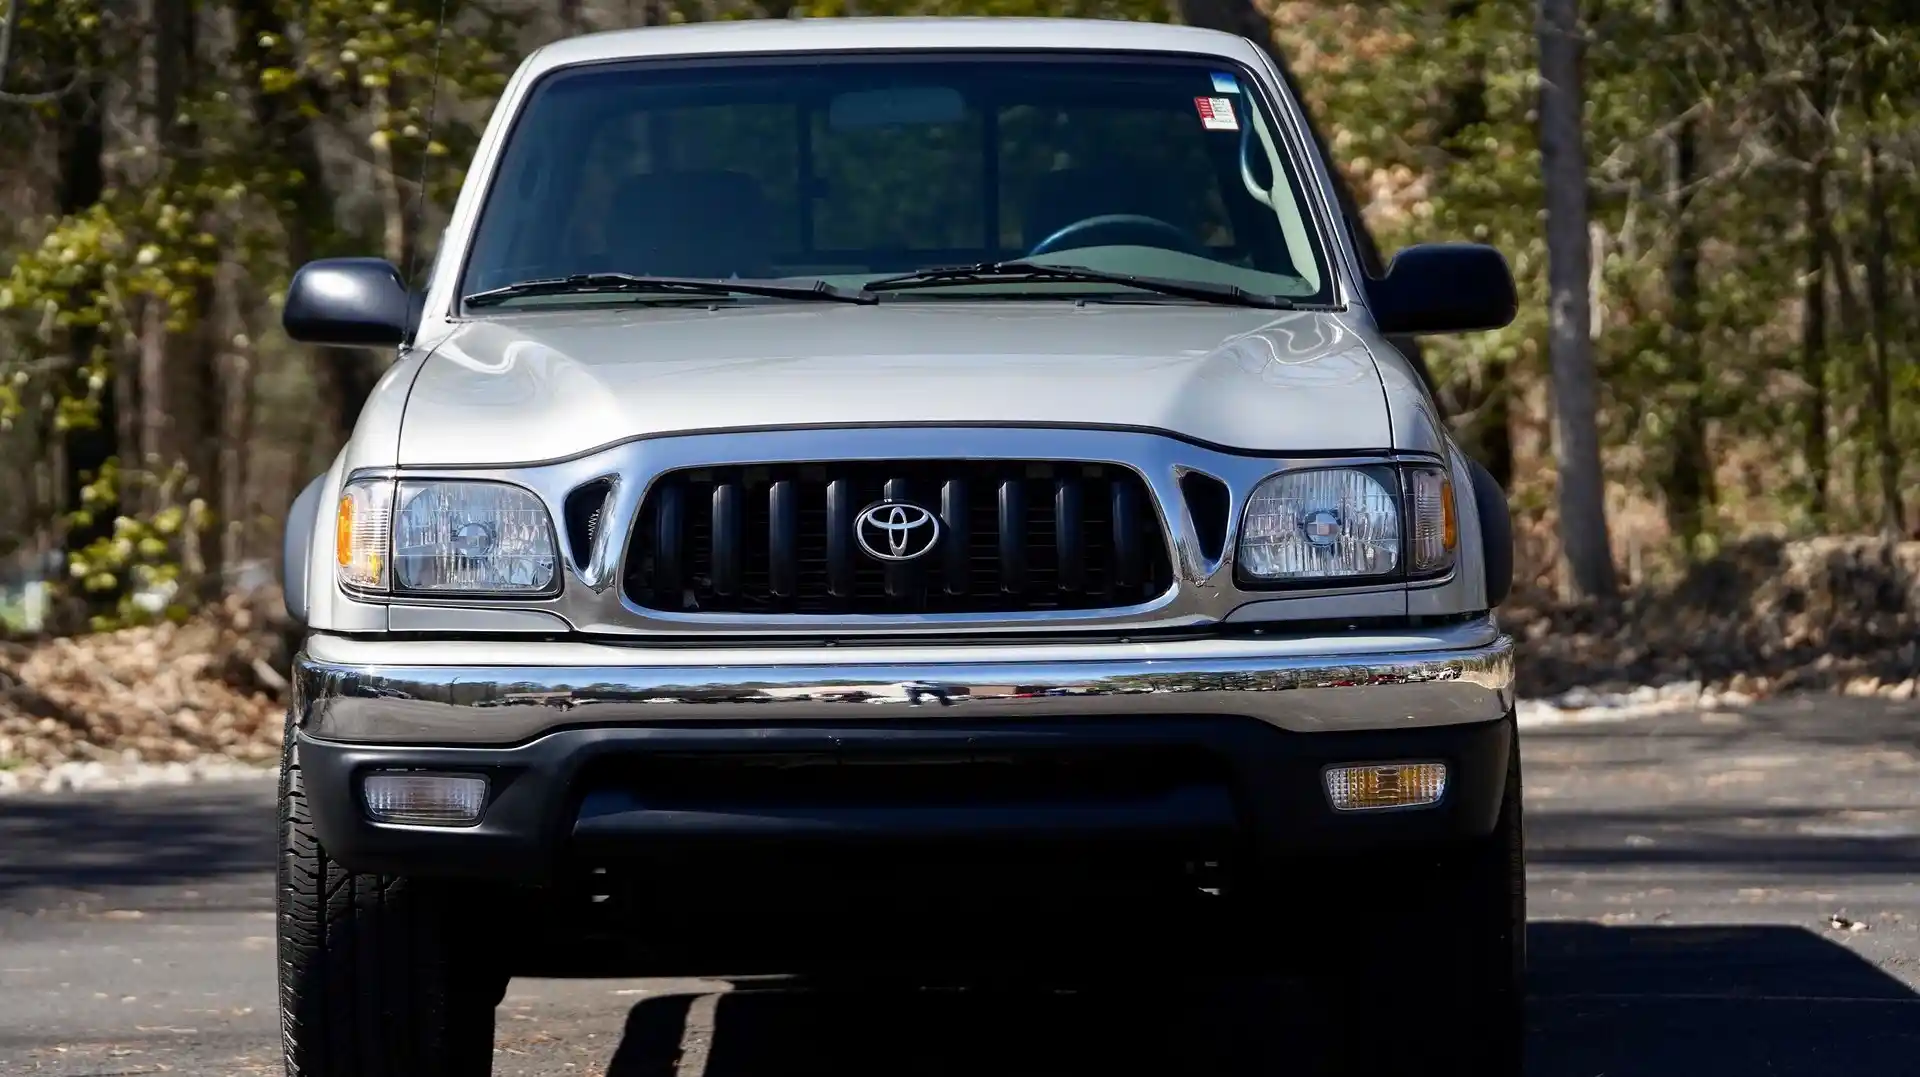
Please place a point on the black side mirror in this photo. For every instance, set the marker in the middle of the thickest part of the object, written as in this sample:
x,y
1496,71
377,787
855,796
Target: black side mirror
x,y
1444,288
348,302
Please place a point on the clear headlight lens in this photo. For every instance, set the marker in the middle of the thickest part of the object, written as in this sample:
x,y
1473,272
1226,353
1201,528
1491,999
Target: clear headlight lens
x,y
472,536
1323,524
363,530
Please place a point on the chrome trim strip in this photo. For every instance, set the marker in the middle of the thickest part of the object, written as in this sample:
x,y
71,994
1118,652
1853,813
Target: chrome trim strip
x,y
592,599
498,704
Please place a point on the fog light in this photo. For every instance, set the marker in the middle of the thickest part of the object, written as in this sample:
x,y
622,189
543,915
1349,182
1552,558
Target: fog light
x,y
426,799
1386,785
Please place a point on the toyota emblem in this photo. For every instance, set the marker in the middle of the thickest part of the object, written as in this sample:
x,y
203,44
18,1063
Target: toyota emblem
x,y
896,531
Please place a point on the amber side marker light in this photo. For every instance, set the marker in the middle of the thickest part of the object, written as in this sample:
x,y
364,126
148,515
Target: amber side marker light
x,y
1373,786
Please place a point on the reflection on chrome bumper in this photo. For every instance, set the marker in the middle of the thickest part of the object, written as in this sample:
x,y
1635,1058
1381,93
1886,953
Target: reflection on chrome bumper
x,y
503,703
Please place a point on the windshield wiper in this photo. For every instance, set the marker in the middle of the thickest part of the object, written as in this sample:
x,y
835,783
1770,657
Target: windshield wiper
x,y
634,284
1035,272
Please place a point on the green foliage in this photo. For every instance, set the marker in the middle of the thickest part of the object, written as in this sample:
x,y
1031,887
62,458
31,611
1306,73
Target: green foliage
x,y
1431,109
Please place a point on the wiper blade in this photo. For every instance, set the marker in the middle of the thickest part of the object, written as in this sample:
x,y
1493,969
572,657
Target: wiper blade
x,y
635,284
1035,272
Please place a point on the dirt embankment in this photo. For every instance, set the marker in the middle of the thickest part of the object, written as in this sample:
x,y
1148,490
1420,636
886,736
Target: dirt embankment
x,y
160,694
1765,617
1826,614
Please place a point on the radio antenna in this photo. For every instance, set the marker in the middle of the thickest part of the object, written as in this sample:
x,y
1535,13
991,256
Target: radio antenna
x,y
426,151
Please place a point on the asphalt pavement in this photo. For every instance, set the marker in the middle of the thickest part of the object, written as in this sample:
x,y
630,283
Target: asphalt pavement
x,y
1713,893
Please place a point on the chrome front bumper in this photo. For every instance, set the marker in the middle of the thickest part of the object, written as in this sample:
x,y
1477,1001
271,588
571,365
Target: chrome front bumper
x,y
475,693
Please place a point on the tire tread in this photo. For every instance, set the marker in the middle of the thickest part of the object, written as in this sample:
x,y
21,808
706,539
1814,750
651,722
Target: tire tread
x,y
371,980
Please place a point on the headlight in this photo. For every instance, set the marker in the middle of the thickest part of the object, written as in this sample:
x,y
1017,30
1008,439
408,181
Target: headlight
x,y
1350,523
471,536
1324,524
445,537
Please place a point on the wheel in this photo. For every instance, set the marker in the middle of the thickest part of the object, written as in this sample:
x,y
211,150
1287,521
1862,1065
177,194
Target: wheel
x,y
374,977
1434,965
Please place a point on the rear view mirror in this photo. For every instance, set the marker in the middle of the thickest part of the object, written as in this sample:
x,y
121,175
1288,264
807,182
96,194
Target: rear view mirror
x,y
1444,288
348,302
895,107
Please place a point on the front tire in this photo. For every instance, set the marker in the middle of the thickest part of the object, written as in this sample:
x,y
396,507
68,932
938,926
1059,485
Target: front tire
x,y
376,977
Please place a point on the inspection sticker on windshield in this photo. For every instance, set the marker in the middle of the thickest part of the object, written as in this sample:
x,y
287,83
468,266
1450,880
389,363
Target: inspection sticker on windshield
x,y
1224,82
1216,113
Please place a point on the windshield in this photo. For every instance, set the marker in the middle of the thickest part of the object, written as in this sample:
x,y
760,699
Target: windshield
x,y
847,169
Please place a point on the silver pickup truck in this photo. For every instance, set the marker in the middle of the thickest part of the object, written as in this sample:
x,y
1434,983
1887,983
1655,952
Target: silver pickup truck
x,y
944,482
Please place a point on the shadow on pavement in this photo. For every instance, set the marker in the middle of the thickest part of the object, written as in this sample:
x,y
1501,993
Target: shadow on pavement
x,y
1644,1001
156,837
1781,1001
1779,842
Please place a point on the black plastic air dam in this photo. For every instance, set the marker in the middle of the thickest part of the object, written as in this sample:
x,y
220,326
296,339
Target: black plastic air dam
x,y
1274,779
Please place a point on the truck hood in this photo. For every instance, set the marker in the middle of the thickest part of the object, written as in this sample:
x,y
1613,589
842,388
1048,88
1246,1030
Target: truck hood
x,y
539,386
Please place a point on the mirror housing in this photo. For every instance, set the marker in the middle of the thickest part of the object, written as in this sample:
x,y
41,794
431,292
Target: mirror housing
x,y
348,302
1444,288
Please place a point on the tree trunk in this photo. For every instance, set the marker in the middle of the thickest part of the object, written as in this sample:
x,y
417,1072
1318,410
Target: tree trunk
x,y
1483,401
1687,472
1813,325
236,402
169,58
84,452
346,376
165,19
1893,511
180,390
1583,513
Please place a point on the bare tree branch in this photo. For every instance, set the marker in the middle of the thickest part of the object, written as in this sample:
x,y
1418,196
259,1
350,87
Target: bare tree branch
x,y
6,51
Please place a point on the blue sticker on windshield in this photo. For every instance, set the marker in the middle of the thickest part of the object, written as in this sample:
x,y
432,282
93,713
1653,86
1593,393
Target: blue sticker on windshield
x,y
1225,83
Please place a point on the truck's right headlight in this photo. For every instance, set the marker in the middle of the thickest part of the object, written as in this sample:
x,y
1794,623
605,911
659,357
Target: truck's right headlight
x,y
445,537
1350,524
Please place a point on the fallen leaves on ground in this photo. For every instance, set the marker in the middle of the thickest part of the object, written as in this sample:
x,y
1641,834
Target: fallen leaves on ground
x,y
1828,614
165,693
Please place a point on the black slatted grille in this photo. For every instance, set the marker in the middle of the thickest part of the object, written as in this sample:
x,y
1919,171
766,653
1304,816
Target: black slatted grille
x,y
1014,536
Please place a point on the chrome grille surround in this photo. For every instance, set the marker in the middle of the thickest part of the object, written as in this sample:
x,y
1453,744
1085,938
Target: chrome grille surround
x,y
1203,591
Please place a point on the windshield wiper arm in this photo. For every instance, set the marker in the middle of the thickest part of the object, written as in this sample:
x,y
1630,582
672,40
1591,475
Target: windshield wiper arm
x,y
635,284
1035,272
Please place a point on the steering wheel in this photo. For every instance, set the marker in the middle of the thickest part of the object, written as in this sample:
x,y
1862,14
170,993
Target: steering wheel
x,y
1117,228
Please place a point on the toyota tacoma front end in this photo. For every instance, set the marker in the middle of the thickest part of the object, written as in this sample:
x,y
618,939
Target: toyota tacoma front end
x,y
836,460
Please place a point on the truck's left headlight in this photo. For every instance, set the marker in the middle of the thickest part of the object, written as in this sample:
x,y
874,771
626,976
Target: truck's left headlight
x,y
445,537
1350,524
1320,524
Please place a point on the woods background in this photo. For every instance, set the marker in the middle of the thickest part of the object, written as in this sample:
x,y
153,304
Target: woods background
x,y
1717,341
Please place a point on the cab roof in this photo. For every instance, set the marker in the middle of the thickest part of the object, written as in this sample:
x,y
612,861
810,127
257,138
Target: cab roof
x,y
876,34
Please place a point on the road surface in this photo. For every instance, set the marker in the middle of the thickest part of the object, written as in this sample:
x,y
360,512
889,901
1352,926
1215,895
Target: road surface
x,y
1713,893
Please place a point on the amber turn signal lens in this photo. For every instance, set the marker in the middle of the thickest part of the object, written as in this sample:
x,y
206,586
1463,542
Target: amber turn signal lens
x,y
343,532
363,527
1386,785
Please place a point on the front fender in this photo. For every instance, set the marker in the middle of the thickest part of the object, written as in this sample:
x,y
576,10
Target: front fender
x,y
296,550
